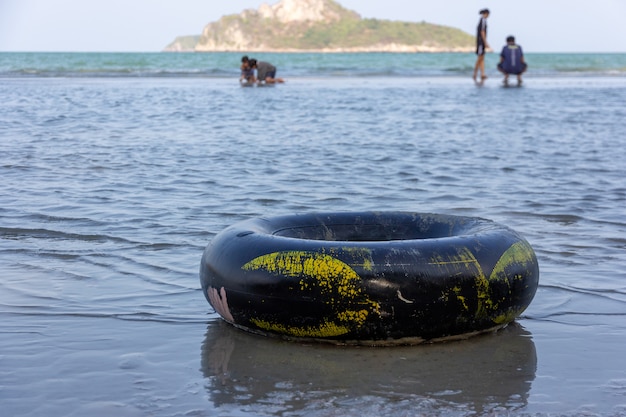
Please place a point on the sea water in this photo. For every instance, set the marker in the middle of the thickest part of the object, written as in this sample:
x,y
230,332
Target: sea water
x,y
116,170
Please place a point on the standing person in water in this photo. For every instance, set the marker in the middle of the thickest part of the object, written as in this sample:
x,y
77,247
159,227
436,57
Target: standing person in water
x,y
481,45
512,61
266,72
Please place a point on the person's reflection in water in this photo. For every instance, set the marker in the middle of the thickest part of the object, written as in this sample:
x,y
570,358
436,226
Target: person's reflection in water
x,y
490,373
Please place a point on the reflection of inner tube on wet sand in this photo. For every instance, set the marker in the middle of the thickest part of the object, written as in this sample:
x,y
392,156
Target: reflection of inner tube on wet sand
x,y
269,376
369,278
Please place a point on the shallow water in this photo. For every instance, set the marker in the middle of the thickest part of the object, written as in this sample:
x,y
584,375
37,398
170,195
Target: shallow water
x,y
297,65
111,188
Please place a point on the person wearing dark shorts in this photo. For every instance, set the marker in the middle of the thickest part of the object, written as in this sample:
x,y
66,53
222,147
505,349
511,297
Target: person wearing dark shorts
x,y
266,72
512,61
481,45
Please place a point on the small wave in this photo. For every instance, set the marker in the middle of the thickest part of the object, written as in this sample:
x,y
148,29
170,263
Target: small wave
x,y
125,316
121,73
612,293
16,233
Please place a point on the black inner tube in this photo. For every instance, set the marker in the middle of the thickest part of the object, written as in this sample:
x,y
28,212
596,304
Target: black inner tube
x,y
383,230
370,277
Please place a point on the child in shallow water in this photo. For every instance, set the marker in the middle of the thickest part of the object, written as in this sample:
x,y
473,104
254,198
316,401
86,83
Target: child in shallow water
x,y
247,72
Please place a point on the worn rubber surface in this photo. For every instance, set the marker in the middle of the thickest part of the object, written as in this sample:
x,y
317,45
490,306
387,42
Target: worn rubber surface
x,y
370,278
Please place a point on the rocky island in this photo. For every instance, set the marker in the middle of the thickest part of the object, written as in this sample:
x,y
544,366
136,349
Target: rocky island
x,y
319,26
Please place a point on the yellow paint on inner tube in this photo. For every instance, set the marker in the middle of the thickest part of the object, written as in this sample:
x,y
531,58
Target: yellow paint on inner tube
x,y
457,291
326,329
336,281
520,253
465,259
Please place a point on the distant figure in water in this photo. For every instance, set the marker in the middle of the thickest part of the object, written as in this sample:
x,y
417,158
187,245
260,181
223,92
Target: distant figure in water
x,y
512,61
481,45
247,73
266,72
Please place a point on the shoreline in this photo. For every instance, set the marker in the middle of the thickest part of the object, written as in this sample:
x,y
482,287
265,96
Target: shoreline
x,y
394,49
341,65
583,80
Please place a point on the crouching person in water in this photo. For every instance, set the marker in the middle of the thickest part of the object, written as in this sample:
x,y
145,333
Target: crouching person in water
x,y
247,73
512,61
266,72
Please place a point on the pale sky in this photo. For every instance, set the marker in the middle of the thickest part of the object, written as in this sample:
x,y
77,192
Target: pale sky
x,y
149,25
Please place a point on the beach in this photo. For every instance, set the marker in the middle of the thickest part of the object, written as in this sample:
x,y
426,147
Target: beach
x,y
118,169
